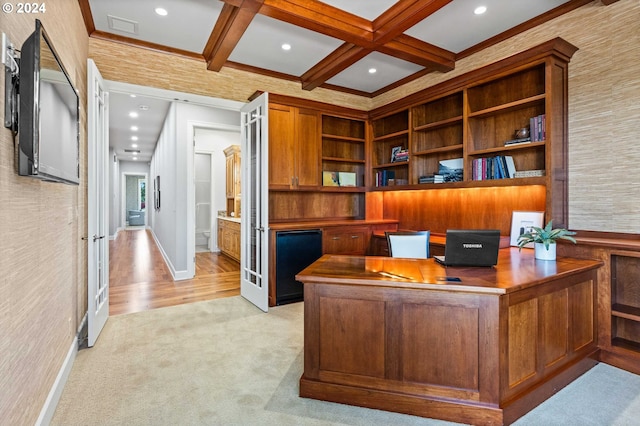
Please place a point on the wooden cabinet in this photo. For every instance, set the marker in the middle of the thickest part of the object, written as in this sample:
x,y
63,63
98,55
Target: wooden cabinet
x,y
229,238
294,148
343,149
232,160
346,240
618,294
472,116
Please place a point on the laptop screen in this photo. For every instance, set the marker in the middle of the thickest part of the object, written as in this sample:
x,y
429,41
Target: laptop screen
x,y
471,247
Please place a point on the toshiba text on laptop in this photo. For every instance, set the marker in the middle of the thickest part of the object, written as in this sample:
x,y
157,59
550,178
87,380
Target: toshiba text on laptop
x,y
470,247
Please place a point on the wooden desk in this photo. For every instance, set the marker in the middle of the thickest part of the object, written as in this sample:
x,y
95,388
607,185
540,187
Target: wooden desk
x,y
394,334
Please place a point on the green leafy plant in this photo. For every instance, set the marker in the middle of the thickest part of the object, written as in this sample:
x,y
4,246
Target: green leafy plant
x,y
546,235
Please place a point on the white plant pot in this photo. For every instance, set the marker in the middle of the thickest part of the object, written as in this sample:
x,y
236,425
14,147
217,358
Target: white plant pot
x,y
542,253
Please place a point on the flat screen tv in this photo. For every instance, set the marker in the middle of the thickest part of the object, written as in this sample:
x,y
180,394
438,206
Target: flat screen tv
x,y
48,124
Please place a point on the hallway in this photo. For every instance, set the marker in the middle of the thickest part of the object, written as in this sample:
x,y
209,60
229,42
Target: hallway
x,y
139,279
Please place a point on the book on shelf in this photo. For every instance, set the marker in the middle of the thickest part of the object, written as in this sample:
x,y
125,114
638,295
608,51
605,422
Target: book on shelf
x,y
529,173
518,141
432,178
452,170
537,128
399,154
393,182
498,167
383,176
330,178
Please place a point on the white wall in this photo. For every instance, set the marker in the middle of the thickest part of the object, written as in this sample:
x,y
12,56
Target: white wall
x,y
173,225
214,141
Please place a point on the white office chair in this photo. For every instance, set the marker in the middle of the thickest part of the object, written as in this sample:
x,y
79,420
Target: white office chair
x,y
408,244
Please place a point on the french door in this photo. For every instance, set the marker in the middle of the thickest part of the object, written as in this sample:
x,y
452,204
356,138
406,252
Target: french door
x,y
254,258
97,188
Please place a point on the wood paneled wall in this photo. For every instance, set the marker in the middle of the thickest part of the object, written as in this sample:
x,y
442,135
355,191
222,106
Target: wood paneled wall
x,y
43,267
468,208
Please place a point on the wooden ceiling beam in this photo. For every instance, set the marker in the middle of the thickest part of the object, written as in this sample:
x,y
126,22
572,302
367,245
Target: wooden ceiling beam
x,y
413,50
403,15
385,34
229,28
337,61
321,18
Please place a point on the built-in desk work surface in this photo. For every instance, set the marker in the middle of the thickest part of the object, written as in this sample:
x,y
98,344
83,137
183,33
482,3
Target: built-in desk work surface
x,y
404,335
516,270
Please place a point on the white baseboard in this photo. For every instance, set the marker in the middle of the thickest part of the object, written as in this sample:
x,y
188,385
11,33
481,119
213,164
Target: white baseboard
x,y
114,236
49,408
176,275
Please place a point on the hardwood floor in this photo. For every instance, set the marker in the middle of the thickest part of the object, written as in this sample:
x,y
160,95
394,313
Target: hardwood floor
x,y
139,279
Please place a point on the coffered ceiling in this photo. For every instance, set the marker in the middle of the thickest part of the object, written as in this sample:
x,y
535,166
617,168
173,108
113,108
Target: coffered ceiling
x,y
334,43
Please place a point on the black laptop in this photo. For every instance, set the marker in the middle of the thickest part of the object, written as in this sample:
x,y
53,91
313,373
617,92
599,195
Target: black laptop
x,y
470,247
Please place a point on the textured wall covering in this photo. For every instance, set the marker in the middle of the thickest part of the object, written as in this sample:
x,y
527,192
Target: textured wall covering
x,y
42,259
604,85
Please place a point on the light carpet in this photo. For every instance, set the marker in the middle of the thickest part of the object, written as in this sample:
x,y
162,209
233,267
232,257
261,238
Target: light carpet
x,y
224,362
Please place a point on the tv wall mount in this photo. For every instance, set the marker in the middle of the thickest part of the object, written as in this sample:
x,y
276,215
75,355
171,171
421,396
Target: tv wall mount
x,y
11,63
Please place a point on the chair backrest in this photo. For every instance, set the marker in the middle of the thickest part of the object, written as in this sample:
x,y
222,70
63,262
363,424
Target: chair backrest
x,y
408,244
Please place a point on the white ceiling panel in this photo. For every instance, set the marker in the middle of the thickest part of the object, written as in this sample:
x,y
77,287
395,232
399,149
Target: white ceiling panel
x,y
388,71
187,26
455,27
261,46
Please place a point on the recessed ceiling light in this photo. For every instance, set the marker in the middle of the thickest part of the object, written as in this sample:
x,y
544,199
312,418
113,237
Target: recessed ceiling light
x,y
372,70
135,158
133,114
132,95
134,128
480,10
134,138
161,11
286,46
134,145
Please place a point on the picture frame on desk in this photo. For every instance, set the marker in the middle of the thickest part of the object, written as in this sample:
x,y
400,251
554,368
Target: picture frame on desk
x,y
522,222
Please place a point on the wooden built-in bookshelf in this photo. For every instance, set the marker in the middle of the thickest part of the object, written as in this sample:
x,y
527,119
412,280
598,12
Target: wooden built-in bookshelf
x,y
473,116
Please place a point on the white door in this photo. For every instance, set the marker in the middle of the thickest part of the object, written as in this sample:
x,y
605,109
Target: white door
x,y
254,259
97,188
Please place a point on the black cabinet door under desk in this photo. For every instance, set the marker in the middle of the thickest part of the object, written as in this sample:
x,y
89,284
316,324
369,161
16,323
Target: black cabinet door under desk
x,y
295,250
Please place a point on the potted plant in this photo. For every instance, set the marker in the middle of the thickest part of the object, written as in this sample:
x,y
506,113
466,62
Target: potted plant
x,y
544,240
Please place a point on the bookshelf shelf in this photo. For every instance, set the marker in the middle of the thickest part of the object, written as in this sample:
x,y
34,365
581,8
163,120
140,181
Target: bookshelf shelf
x,y
511,106
342,160
500,149
452,148
438,124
